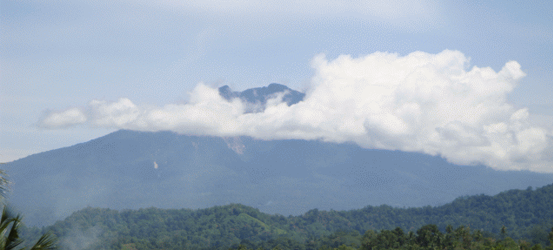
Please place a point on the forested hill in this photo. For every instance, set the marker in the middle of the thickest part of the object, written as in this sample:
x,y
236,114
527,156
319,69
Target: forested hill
x,y
525,214
130,170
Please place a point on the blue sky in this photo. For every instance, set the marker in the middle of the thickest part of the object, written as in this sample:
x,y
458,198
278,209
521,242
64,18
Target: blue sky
x,y
57,56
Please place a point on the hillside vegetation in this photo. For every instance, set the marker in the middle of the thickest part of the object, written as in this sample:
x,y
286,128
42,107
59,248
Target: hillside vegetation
x,y
522,214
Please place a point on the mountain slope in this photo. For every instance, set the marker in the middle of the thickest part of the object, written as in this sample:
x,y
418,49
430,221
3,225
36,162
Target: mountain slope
x,y
129,169
288,177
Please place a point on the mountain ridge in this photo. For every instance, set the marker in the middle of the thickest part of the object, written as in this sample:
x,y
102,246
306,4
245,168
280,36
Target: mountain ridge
x,y
256,98
130,169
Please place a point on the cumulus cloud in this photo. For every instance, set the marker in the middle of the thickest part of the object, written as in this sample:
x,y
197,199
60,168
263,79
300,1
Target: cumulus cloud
x,y
67,118
421,102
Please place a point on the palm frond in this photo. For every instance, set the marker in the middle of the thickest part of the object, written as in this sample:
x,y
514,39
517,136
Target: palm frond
x,y
9,225
5,221
13,239
4,184
46,242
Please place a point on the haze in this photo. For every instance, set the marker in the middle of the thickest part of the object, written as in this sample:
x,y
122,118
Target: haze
x,y
467,81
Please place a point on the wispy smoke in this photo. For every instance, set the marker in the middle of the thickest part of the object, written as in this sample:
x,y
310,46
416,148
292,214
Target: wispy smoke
x,y
81,238
430,103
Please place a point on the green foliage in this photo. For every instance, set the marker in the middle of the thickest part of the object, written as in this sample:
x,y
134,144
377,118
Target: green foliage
x,y
467,223
426,237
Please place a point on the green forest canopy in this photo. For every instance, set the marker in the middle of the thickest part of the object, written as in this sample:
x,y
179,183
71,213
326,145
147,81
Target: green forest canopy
x,y
523,214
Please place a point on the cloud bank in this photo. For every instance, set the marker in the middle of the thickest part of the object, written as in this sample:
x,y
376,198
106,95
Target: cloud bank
x,y
421,102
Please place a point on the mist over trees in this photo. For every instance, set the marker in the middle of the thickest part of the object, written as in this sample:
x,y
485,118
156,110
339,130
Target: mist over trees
x,y
515,219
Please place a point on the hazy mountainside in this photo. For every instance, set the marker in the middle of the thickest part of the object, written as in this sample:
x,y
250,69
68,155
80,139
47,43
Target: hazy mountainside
x,y
288,177
129,170
526,214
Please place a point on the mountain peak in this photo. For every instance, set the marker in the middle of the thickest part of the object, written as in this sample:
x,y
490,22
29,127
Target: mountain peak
x,y
259,96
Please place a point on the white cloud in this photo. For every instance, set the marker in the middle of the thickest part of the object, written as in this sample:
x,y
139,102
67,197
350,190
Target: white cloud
x,y
117,114
62,119
430,103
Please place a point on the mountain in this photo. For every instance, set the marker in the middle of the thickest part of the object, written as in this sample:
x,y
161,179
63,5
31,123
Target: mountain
x,y
262,94
526,214
129,170
256,98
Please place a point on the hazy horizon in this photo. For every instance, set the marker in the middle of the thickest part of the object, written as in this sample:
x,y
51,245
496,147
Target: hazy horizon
x,y
469,81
